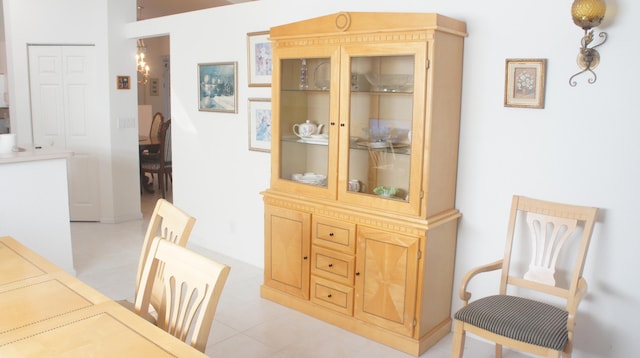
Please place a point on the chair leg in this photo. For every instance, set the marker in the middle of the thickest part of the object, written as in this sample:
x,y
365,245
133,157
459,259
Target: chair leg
x,y
161,183
168,178
498,351
458,339
568,348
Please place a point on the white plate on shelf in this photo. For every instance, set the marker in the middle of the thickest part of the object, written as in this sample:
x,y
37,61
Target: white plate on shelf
x,y
310,178
310,140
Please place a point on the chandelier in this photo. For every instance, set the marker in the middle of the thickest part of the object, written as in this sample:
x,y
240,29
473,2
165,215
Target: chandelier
x,y
143,67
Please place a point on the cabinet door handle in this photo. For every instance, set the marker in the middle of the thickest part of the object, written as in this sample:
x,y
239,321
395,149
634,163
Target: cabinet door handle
x,y
330,265
341,124
304,258
357,273
333,123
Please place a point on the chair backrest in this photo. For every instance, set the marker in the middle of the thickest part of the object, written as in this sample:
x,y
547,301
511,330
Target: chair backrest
x,y
191,291
156,122
167,222
554,231
165,140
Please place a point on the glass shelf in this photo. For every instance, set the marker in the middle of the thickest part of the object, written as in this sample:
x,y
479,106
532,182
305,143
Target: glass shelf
x,y
385,93
401,149
313,90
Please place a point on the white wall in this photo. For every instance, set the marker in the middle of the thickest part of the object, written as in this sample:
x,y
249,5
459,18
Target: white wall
x,y
44,201
85,22
580,149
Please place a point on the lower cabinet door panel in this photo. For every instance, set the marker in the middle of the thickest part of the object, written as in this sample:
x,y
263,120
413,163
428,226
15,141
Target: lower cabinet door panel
x,y
386,279
287,249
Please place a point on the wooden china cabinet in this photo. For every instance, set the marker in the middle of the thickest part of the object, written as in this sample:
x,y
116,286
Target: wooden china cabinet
x,y
360,224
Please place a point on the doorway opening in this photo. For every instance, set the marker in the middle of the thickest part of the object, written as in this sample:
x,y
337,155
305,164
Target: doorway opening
x,y
154,96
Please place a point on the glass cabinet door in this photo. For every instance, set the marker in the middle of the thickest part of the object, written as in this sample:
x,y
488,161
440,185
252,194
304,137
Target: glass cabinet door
x,y
304,131
384,112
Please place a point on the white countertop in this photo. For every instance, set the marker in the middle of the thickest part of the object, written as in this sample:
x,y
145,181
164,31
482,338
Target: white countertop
x,y
29,155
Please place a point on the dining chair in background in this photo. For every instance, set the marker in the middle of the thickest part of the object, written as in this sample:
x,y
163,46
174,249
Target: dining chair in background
x,y
160,164
172,224
154,132
539,293
191,290
156,122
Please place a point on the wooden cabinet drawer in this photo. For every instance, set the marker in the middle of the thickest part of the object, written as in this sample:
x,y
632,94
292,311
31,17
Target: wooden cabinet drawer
x,y
336,235
333,265
332,295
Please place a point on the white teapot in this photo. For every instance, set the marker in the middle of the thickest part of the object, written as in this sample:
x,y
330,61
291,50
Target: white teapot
x,y
307,129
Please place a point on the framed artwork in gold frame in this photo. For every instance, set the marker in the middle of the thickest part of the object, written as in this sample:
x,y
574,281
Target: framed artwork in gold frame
x,y
123,82
525,83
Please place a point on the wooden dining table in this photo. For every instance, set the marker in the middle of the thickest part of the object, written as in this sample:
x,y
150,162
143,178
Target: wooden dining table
x,y
48,313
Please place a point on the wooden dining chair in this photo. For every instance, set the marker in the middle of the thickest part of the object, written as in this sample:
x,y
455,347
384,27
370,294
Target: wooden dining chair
x,y
154,133
172,224
541,282
192,288
160,164
156,123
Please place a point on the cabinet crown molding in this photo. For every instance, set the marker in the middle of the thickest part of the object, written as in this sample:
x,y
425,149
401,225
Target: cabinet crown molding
x,y
349,23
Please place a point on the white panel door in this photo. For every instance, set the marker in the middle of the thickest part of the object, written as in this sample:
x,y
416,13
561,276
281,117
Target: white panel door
x,y
63,104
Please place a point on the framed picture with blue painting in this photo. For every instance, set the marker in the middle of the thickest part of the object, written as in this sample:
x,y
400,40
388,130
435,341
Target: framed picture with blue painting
x,y
218,87
259,59
260,124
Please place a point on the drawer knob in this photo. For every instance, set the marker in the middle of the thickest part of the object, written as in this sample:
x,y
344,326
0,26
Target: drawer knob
x,y
330,265
357,273
304,258
329,295
330,234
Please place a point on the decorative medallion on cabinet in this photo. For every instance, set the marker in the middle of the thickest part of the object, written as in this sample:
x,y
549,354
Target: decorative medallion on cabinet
x,y
360,223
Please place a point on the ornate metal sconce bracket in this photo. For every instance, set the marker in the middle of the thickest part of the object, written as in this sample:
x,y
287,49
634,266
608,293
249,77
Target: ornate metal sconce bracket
x,y
588,57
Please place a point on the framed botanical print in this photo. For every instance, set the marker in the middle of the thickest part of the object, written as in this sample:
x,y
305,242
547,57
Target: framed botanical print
x,y
217,87
525,82
260,124
259,59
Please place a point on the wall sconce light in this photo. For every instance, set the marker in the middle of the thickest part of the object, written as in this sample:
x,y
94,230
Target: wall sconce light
x,y
587,14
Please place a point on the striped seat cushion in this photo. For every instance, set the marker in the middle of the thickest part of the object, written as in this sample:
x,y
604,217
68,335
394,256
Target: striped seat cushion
x,y
518,318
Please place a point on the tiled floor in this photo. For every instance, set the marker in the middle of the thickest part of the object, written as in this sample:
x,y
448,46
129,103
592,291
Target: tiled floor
x,y
106,257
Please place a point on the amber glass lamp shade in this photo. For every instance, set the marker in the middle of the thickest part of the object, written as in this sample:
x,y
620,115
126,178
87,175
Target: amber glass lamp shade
x,y
588,13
